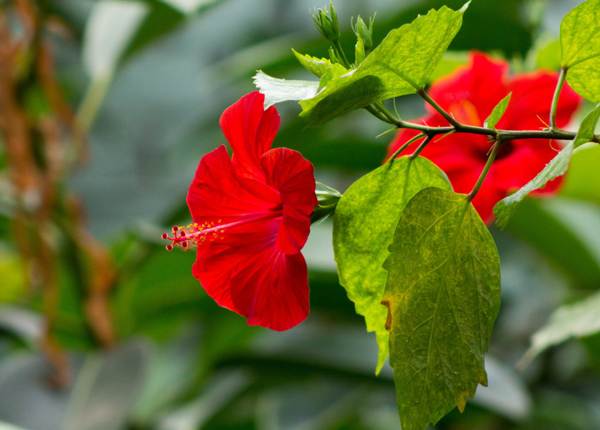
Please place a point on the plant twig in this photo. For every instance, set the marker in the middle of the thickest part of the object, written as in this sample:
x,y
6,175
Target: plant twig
x,y
421,147
557,91
447,116
485,170
406,145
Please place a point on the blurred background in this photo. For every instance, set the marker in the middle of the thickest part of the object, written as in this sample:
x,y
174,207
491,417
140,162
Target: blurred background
x,y
106,108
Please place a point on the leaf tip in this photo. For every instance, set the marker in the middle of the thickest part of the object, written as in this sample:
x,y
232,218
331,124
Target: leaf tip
x,y
483,379
464,8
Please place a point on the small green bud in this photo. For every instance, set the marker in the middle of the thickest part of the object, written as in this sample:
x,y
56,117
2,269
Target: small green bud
x,y
364,31
326,21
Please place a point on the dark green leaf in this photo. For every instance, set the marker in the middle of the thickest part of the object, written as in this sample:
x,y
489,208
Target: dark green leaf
x,y
498,112
443,295
580,44
364,224
556,167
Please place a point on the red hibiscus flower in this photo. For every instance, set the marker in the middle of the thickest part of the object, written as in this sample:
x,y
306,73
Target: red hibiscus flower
x,y
469,95
251,217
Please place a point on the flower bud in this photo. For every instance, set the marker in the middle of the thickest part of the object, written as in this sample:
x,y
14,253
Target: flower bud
x,y
364,31
327,22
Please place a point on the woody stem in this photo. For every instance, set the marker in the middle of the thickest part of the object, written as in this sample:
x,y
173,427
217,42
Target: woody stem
x,y
447,116
458,127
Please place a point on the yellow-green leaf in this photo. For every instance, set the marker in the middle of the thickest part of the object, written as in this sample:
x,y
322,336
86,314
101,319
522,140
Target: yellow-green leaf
x,y
580,45
402,64
364,224
498,112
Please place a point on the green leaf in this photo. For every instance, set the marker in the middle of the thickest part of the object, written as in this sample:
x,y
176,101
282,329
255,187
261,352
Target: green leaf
x,y
575,320
582,180
585,79
580,44
443,295
556,167
498,112
280,90
547,55
402,64
316,66
410,54
580,33
364,224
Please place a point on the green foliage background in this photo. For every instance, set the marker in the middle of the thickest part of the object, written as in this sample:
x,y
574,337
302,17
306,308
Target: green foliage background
x,y
184,363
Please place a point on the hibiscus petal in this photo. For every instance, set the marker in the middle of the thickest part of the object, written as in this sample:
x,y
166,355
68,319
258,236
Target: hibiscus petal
x,y
292,175
250,130
247,273
217,192
531,100
481,84
274,294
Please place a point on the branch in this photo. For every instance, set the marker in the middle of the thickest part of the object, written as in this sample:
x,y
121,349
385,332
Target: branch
x,y
458,127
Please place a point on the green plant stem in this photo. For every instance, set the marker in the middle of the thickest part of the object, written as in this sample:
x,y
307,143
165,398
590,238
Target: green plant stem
x,y
485,171
341,54
557,91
